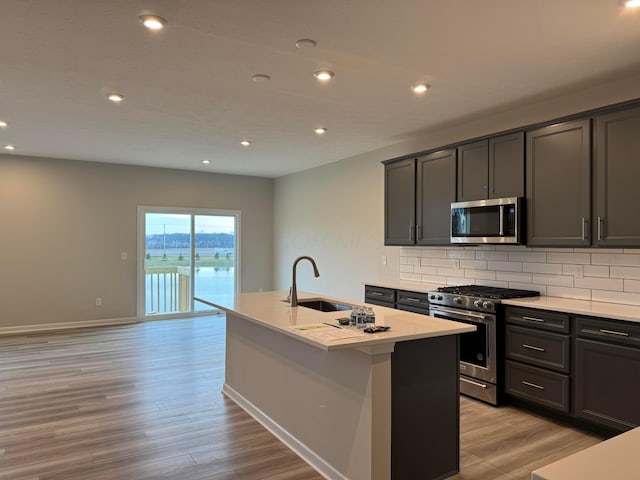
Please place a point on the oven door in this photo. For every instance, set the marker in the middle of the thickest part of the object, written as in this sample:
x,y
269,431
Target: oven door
x,y
477,349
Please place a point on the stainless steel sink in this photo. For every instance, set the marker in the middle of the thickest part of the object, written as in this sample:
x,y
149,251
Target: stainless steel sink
x,y
324,305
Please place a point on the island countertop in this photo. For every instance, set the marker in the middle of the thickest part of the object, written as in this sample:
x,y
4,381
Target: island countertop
x,y
269,310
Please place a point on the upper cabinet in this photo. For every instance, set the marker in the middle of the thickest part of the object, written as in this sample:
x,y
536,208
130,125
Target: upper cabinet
x,y
492,168
473,171
559,184
436,189
418,196
400,202
617,170
506,166
581,179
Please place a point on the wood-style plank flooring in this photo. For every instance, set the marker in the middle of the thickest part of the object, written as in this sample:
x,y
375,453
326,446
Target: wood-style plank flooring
x,y
143,401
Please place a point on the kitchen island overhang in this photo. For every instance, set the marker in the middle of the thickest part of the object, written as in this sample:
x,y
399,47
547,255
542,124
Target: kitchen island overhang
x,y
372,406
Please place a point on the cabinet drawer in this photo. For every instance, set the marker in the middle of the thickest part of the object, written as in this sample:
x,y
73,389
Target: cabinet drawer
x,y
413,300
624,333
543,349
538,386
542,319
380,296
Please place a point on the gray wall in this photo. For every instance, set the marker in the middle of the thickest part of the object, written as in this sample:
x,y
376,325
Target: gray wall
x,y
64,224
335,212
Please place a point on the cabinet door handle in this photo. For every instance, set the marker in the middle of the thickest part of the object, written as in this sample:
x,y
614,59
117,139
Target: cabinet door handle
x,y
600,221
613,332
419,232
376,294
410,299
501,221
584,228
533,347
411,232
533,385
533,319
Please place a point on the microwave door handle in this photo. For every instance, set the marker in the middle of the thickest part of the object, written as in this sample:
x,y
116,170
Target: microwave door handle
x,y
501,232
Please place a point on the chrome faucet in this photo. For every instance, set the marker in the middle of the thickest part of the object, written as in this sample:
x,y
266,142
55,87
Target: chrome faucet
x,y
293,291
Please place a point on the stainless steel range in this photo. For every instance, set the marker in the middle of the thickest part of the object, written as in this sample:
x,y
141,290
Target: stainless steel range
x,y
480,372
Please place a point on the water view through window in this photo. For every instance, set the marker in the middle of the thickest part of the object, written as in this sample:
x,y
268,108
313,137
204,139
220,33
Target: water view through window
x,y
188,255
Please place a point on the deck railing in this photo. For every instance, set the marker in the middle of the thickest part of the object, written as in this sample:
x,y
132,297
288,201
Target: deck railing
x,y
168,289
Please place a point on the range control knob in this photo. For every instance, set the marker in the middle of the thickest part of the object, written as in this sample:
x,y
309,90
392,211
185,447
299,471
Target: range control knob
x,y
432,297
439,297
487,305
477,303
457,300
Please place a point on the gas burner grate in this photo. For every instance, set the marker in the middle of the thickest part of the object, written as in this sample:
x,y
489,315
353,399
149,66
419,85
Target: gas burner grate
x,y
488,292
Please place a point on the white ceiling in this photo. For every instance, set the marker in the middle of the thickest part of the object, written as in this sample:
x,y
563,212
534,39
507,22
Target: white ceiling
x,y
189,93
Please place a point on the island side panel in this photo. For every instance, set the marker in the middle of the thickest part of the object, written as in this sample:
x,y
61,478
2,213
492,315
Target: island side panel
x,y
425,425
323,401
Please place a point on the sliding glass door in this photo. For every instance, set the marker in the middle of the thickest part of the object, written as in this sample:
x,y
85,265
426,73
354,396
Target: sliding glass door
x,y
187,258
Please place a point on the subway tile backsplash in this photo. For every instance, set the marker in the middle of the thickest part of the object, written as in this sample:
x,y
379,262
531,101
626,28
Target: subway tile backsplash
x,y
611,275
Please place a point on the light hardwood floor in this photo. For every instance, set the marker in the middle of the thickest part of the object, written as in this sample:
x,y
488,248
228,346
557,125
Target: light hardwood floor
x,y
143,401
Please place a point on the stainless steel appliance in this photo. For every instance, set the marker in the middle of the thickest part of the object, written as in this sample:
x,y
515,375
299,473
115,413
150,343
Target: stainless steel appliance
x,y
498,220
480,351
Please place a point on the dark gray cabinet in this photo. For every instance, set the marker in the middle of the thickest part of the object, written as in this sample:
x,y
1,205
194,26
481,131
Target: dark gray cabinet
x,y
385,297
416,302
436,189
607,373
418,194
473,171
559,184
492,168
538,352
400,202
617,170
506,166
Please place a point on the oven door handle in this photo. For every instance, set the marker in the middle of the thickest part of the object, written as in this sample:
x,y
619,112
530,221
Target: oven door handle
x,y
470,316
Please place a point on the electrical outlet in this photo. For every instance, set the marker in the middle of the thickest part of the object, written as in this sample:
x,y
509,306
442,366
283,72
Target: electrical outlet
x,y
579,271
98,301
384,259
124,255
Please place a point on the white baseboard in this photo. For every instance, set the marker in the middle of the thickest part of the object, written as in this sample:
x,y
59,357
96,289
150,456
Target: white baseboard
x,y
318,463
47,327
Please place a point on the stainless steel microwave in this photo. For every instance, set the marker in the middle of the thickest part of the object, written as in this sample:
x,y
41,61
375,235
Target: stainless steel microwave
x,y
498,220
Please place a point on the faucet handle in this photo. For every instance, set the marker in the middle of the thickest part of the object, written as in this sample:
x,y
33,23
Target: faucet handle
x,y
289,296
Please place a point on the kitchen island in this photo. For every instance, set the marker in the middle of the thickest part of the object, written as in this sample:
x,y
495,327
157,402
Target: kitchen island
x,y
354,405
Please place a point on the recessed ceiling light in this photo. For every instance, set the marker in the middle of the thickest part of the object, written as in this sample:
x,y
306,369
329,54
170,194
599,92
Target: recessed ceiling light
x,y
420,87
630,3
245,143
260,77
153,22
3,124
320,130
115,97
9,147
306,43
323,75
206,162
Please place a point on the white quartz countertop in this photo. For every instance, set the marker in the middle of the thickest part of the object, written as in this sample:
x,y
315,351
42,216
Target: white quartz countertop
x,y
614,459
616,311
269,310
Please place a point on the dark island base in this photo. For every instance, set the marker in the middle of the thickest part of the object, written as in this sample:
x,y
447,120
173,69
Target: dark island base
x,y
425,412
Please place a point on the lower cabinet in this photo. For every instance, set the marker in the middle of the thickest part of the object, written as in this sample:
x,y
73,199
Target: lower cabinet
x,y
416,302
385,297
538,358
585,369
538,385
607,373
